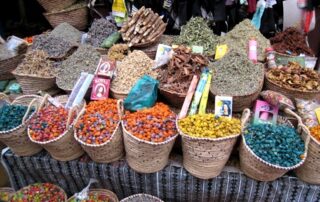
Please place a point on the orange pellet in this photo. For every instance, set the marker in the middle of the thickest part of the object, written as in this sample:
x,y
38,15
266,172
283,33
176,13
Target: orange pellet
x,y
315,132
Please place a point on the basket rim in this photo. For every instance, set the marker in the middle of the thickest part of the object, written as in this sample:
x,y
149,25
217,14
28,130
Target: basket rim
x,y
148,142
141,194
64,11
290,89
99,190
172,92
13,57
118,92
32,76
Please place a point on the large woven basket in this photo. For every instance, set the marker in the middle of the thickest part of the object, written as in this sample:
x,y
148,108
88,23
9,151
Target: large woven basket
x,y
17,138
205,158
146,157
34,84
141,198
8,65
258,169
111,150
77,17
99,192
64,147
173,98
310,170
51,5
290,93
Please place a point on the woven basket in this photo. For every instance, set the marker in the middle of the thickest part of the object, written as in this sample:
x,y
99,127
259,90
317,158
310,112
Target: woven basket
x,y
64,147
111,150
8,65
34,84
258,169
98,192
51,5
141,198
102,51
8,191
173,98
118,95
146,157
290,93
17,138
77,17
205,158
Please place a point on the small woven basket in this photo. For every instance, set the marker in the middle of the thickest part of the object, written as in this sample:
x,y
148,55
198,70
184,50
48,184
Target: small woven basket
x,y
111,150
34,84
258,169
141,198
51,5
64,147
173,98
8,65
112,197
290,93
77,17
205,158
17,138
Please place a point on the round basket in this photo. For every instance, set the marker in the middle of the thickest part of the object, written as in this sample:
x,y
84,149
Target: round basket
x,y
8,65
111,150
77,17
141,198
173,98
64,147
290,93
51,5
99,192
118,95
146,157
258,169
205,158
17,138
34,84
6,193
310,170
30,186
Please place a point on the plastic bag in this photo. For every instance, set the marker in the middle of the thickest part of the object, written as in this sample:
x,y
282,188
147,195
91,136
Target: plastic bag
x,y
143,94
306,110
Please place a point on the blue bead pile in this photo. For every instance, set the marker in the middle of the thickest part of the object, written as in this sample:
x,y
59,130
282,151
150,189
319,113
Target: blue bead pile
x,y
277,144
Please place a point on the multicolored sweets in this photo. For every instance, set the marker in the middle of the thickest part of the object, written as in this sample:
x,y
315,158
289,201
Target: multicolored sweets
x,y
99,122
94,197
11,116
155,124
49,123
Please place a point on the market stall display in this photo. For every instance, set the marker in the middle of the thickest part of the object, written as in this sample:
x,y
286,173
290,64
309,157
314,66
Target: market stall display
x,y
97,195
141,197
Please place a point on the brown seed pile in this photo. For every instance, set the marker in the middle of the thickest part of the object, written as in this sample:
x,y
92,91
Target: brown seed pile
x,y
36,63
99,31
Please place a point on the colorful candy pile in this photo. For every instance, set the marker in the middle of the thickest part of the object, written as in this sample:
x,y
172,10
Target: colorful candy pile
x,y
99,122
94,197
315,132
277,144
40,192
49,123
209,126
11,116
156,124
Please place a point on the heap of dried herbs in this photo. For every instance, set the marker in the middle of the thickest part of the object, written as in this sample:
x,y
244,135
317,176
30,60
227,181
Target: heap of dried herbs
x,y
235,75
36,63
197,33
238,38
85,59
67,32
100,30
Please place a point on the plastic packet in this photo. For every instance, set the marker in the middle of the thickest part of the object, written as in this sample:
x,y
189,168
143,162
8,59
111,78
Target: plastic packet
x,y
306,110
84,194
16,45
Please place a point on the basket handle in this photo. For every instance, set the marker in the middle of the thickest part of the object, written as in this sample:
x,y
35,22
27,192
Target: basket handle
x,y
245,117
5,97
290,112
43,102
70,113
83,110
28,110
120,108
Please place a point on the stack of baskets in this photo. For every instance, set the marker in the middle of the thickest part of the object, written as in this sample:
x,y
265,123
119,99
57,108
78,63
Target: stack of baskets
x,y
59,11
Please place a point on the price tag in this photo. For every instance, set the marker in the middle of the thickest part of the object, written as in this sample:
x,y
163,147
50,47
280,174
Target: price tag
x,y
197,49
221,50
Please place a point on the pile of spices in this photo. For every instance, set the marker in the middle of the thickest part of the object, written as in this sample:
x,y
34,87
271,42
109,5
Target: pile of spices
x,y
131,68
100,30
291,41
235,75
56,47
5,53
295,77
315,132
67,32
177,75
209,126
39,192
276,144
156,124
99,122
118,51
238,38
197,33
85,59
11,116
49,123
36,63
94,197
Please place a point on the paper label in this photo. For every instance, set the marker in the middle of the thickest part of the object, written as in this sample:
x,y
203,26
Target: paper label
x,y
162,50
317,111
197,49
223,106
221,50
100,88
106,67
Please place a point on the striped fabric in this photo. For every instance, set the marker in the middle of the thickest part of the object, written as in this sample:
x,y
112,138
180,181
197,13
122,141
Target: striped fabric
x,y
171,184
